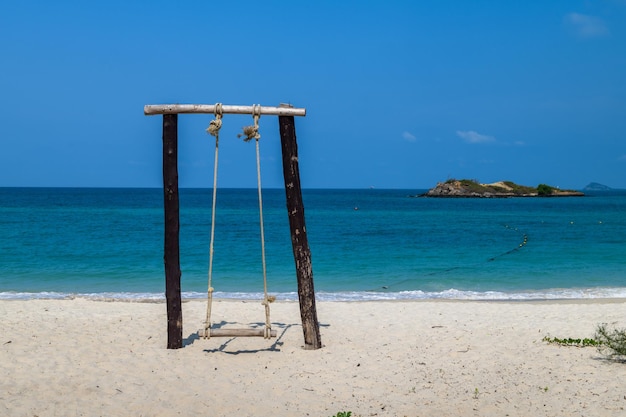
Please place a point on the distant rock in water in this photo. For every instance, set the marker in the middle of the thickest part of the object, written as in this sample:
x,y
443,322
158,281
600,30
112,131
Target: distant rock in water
x,y
594,186
501,189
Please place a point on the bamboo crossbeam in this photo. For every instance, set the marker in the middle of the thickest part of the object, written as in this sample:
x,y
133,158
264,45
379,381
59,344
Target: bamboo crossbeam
x,y
236,333
153,109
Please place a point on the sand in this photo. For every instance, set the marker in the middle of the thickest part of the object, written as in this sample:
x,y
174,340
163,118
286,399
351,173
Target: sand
x,y
420,358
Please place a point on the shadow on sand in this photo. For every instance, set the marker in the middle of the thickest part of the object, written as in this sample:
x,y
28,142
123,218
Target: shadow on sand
x,y
274,347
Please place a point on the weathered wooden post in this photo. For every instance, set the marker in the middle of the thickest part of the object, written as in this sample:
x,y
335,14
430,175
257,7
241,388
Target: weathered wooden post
x,y
171,256
299,240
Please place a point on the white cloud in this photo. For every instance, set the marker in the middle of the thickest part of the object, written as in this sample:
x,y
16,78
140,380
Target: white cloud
x,y
470,136
586,26
409,137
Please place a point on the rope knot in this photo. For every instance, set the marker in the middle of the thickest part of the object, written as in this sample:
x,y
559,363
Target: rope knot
x,y
252,132
267,334
216,124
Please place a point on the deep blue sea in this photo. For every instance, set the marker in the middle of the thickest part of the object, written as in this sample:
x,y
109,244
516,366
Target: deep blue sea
x,y
366,244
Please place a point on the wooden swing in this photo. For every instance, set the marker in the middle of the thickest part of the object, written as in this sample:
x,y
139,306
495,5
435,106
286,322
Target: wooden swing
x,y
294,206
249,133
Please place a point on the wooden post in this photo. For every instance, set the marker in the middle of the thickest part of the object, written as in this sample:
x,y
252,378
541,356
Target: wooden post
x,y
299,241
171,256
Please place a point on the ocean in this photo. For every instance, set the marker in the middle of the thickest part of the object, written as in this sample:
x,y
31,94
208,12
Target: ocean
x,y
366,244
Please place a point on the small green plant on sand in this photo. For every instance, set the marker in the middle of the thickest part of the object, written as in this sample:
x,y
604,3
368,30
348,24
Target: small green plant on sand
x,y
343,414
612,342
572,342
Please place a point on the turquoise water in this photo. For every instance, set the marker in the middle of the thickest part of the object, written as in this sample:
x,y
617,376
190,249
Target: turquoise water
x,y
365,244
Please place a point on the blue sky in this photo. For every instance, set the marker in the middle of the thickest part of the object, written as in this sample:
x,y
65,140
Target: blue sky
x,y
399,94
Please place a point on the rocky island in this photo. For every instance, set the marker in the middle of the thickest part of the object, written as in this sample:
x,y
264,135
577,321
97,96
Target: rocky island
x,y
594,186
500,189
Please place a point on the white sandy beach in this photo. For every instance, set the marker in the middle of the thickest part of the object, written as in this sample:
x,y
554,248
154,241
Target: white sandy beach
x,y
421,358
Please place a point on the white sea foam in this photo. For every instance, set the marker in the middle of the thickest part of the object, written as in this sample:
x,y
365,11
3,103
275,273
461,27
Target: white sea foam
x,y
14,295
451,294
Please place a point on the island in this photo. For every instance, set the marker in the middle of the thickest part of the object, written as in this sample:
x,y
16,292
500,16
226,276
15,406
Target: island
x,y
594,186
501,189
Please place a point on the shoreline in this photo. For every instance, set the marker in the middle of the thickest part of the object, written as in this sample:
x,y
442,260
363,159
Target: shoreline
x,y
581,293
384,358
604,300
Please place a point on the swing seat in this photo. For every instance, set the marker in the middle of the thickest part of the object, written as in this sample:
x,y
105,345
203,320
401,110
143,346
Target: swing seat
x,y
235,333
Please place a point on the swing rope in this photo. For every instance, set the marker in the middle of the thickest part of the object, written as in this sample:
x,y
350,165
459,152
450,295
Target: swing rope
x,y
249,133
214,130
254,133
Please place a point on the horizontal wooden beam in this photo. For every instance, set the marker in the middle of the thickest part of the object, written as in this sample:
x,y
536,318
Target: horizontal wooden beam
x,y
236,333
153,109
